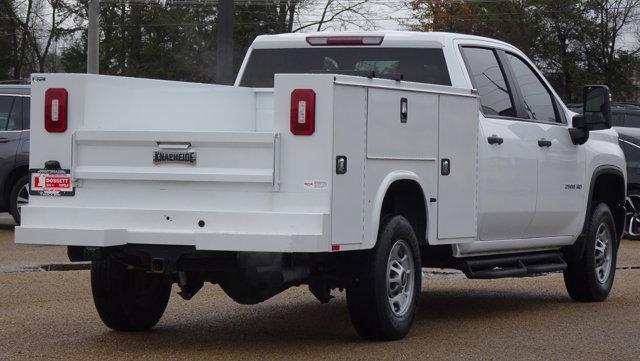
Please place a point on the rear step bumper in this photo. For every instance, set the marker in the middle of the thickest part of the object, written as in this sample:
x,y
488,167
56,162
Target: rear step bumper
x,y
514,265
216,231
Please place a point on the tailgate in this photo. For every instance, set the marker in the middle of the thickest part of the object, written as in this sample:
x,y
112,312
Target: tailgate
x,y
244,157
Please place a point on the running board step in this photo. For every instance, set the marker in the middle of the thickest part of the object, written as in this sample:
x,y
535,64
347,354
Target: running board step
x,y
513,265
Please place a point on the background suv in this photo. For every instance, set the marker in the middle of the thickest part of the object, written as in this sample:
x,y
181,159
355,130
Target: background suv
x,y
625,119
14,148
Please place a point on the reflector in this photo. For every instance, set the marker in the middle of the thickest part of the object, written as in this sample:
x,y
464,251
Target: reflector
x,y
55,110
303,108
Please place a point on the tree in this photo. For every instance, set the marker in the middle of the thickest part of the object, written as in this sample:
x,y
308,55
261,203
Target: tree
x,y
609,19
559,49
444,15
7,41
575,42
146,40
34,26
336,13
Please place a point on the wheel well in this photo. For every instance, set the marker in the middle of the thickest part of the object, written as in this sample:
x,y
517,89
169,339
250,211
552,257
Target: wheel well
x,y
10,180
405,198
609,188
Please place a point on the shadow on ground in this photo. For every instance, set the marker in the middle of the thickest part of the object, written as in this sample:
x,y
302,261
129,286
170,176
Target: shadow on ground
x,y
283,326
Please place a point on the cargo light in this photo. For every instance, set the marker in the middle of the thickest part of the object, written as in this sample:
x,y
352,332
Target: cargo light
x,y
303,111
55,110
344,40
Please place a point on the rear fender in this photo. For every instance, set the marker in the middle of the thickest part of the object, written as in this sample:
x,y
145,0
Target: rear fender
x,y
379,200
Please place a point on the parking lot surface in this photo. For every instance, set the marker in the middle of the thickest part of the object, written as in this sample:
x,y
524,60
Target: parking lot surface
x,y
50,315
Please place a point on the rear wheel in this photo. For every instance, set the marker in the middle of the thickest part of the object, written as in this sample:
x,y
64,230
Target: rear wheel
x,y
589,276
18,197
127,299
383,301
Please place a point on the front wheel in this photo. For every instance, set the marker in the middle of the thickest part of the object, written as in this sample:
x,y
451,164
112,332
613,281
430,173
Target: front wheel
x,y
384,298
589,276
127,299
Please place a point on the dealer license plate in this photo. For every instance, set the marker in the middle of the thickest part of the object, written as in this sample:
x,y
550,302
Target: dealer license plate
x,y
51,182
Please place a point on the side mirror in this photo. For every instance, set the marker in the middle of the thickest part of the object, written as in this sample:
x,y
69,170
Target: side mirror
x,y
579,135
596,109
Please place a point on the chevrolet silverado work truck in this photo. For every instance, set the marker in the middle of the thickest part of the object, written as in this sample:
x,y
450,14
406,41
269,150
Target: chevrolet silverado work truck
x,y
339,161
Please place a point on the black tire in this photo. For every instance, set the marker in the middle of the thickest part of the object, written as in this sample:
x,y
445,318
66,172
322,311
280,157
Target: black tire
x,y
17,190
368,300
127,300
585,281
633,209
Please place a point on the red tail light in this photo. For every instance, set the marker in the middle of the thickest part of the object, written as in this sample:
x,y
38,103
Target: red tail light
x,y
55,110
343,40
303,111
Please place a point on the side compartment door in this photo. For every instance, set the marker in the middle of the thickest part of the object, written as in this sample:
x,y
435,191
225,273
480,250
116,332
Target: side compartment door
x,y
349,143
458,155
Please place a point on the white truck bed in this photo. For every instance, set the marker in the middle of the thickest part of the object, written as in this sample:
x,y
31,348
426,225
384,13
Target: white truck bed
x,y
254,186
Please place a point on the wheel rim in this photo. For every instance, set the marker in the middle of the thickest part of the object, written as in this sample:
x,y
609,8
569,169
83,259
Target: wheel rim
x,y
633,225
22,199
603,253
400,278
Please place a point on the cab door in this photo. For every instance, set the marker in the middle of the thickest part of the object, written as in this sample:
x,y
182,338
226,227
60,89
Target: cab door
x,y
561,164
561,185
508,163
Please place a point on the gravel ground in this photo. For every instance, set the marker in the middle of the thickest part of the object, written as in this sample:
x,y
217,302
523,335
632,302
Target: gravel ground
x,y
50,315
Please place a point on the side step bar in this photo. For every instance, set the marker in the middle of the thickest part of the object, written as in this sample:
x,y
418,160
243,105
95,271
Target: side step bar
x,y
513,265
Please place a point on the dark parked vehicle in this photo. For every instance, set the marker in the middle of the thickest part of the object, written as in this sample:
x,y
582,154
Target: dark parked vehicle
x,y
625,118
14,148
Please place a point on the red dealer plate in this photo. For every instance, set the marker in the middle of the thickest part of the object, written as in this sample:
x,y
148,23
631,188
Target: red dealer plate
x,y
47,182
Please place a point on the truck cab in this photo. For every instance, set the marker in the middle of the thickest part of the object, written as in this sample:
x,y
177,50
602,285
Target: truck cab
x,y
337,161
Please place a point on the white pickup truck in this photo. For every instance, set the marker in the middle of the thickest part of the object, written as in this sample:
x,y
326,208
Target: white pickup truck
x,y
337,161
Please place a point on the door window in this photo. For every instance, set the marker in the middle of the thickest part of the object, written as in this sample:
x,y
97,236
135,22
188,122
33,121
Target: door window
x,y
488,78
6,106
15,119
10,113
538,100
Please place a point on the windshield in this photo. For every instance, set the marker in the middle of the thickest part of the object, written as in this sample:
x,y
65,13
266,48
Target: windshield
x,y
424,65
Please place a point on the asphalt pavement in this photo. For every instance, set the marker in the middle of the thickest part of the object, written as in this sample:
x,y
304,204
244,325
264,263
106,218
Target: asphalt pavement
x,y
50,315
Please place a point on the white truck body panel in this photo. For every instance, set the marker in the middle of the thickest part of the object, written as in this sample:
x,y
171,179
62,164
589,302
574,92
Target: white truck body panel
x,y
251,188
233,188
257,187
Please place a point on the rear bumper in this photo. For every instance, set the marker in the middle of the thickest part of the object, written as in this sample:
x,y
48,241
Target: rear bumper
x,y
221,231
